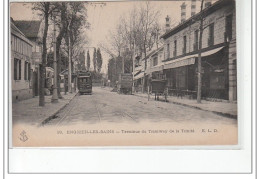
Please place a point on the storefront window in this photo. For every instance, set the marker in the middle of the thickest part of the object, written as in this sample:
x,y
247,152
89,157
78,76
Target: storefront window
x,y
217,81
181,77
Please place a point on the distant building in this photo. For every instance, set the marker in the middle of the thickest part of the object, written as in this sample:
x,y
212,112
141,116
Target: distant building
x,y
218,52
155,63
153,67
21,53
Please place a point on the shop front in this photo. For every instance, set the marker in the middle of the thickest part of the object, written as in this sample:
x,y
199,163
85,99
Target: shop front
x,y
181,75
215,75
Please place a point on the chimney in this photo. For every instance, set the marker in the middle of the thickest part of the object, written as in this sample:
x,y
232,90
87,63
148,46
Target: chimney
x,y
207,3
183,12
193,7
167,25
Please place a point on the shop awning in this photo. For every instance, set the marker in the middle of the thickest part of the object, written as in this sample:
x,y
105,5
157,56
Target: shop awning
x,y
189,60
136,72
180,63
139,68
153,69
140,75
211,52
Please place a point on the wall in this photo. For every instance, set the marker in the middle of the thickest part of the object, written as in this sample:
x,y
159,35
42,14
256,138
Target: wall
x,y
232,63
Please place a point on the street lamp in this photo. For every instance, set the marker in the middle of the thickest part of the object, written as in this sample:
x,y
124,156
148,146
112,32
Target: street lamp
x,y
54,98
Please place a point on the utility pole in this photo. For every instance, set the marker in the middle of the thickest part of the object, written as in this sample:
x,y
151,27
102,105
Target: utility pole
x,y
69,70
54,98
133,89
123,65
199,55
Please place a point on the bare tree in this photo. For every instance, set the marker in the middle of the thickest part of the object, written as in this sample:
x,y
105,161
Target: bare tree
x,y
116,40
149,19
45,9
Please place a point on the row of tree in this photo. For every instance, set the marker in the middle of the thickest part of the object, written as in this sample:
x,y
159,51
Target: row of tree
x,y
97,61
137,32
69,19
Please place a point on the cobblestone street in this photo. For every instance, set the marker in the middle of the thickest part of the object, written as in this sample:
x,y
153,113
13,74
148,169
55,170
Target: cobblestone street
x,y
106,106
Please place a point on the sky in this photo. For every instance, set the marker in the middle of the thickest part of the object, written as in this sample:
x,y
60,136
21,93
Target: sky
x,y
104,18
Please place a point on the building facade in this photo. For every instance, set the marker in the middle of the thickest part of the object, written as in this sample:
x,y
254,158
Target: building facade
x,y
21,53
33,30
181,49
155,63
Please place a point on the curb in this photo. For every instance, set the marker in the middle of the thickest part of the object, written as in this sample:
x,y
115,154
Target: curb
x,y
195,107
47,119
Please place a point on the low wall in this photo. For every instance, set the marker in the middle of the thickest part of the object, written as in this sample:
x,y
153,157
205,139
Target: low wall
x,y
18,95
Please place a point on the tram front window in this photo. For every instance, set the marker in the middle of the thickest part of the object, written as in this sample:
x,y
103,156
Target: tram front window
x,y
84,80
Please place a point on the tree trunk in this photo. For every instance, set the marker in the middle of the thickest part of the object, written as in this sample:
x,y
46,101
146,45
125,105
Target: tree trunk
x,y
58,73
145,66
58,43
44,55
199,56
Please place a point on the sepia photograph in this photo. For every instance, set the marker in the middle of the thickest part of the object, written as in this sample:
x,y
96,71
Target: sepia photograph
x,y
123,73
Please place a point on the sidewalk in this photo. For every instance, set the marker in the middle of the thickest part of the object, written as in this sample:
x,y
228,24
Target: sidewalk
x,y
221,108
29,111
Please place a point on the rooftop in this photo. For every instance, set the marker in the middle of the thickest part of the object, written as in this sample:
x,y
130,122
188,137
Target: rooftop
x,y
196,17
29,28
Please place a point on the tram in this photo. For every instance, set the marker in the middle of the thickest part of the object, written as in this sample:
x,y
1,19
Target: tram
x,y
84,82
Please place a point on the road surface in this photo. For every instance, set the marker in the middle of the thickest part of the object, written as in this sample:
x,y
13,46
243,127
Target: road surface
x,y
104,106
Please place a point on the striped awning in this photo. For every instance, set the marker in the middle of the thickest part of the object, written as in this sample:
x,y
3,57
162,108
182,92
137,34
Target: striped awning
x,y
140,75
154,69
189,60
180,63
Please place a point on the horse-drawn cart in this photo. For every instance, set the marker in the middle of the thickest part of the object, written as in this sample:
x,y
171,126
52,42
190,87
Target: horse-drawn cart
x,y
125,83
158,88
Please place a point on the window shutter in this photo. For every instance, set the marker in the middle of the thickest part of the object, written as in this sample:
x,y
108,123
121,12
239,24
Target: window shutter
x,y
25,70
15,69
29,71
20,70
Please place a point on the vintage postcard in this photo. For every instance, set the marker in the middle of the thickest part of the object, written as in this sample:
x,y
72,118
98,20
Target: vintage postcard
x,y
123,73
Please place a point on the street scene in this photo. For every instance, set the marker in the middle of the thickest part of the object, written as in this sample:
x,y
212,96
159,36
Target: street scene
x,y
136,73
